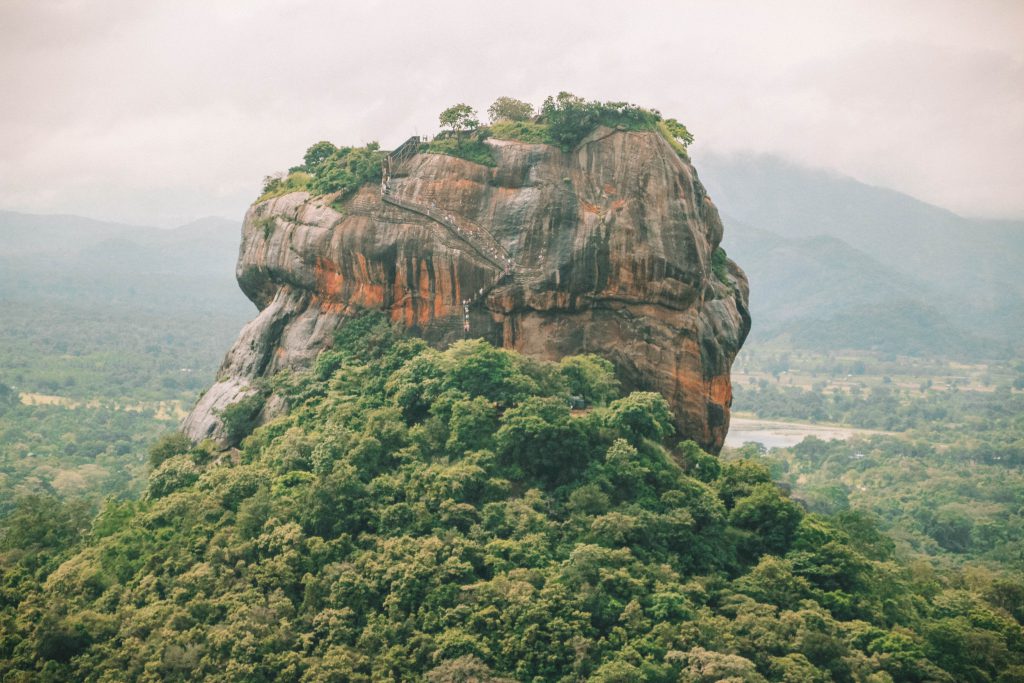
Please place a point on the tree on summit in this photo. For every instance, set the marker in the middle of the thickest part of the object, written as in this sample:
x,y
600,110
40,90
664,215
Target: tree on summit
x,y
679,132
510,109
317,154
459,118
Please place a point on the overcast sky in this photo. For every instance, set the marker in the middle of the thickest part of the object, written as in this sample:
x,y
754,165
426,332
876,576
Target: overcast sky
x,y
160,112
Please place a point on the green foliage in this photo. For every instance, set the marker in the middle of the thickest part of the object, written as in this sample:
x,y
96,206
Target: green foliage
x,y
266,225
571,118
239,418
43,522
626,115
510,109
936,502
472,426
443,516
541,439
326,169
459,118
720,266
521,131
275,186
641,415
566,119
87,452
590,377
172,475
471,148
168,446
982,426
318,154
8,398
87,320
113,357
345,170
361,340
770,520
696,463
677,135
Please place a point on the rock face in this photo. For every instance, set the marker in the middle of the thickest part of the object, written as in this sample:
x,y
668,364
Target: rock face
x,y
606,249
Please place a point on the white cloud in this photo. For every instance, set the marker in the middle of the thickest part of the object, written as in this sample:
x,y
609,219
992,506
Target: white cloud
x,y
163,111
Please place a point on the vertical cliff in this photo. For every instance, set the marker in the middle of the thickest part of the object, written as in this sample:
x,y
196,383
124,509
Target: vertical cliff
x,y
606,249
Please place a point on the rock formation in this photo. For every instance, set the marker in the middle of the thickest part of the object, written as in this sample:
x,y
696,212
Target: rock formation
x,y
606,249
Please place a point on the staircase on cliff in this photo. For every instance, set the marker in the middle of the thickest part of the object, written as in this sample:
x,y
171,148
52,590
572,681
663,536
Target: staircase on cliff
x,y
482,241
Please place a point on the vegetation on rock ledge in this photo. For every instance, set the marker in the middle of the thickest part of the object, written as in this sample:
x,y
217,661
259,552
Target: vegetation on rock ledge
x,y
564,120
327,170
720,266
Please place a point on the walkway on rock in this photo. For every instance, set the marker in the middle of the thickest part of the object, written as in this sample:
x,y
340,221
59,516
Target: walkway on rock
x,y
482,241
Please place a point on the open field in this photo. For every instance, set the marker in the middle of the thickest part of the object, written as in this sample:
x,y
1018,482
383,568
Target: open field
x,y
854,371
162,410
745,427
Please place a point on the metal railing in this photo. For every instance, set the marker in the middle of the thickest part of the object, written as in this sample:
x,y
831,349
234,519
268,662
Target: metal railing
x,y
404,151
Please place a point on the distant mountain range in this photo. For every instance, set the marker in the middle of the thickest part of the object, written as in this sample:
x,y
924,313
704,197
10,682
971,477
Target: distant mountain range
x,y
835,263
88,262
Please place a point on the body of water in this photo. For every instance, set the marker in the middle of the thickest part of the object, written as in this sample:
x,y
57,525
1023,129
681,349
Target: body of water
x,y
779,434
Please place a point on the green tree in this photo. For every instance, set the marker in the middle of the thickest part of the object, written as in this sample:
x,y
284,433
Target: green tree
x,y
773,581
696,462
770,518
8,398
459,118
172,475
476,368
641,415
541,438
510,109
472,426
318,154
240,417
346,169
356,538
591,377
703,666
678,132
569,118
43,522
168,446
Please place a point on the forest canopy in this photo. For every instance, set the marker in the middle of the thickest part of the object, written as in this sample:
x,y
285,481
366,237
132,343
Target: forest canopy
x,y
441,515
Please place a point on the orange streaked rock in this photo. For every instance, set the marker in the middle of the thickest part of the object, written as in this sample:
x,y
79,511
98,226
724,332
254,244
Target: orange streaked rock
x,y
612,244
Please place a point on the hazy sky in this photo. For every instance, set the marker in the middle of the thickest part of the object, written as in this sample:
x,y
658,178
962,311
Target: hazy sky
x,y
160,112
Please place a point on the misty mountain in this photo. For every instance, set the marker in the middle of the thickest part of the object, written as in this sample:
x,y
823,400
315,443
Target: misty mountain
x,y
94,309
70,258
837,263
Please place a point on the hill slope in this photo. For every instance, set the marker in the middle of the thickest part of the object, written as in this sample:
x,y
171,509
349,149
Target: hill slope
x,y
888,253
442,516
820,293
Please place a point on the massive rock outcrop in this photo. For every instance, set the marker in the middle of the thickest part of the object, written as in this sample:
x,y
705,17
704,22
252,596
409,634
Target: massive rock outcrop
x,y
606,249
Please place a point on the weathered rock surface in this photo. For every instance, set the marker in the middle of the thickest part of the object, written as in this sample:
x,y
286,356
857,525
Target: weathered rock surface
x,y
611,248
